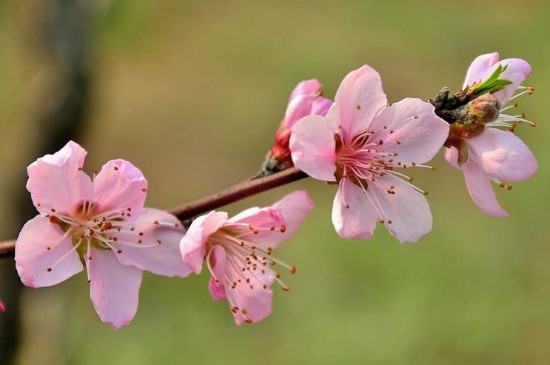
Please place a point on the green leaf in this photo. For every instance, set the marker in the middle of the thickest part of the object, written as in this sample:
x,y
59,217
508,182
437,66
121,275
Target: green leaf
x,y
492,84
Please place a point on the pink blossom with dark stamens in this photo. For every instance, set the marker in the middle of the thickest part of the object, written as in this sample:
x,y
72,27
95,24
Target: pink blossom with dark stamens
x,y
359,145
495,154
101,225
238,253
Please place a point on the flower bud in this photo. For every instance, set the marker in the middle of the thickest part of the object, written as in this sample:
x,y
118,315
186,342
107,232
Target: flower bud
x,y
304,100
483,109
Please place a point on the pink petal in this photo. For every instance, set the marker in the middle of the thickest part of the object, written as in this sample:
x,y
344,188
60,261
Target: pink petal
x,y
193,244
503,155
411,129
294,208
516,71
451,155
481,190
120,186
57,181
254,303
353,216
321,106
306,87
298,108
478,69
114,288
161,259
358,100
216,285
33,258
313,148
2,306
407,209
284,217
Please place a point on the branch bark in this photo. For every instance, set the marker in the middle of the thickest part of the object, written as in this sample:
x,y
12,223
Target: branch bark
x,y
237,192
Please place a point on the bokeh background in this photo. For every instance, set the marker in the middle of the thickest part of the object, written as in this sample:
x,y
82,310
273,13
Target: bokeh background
x,y
192,92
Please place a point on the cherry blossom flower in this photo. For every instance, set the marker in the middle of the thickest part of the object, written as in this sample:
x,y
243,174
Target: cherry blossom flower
x,y
99,224
359,145
304,100
492,153
238,253
2,306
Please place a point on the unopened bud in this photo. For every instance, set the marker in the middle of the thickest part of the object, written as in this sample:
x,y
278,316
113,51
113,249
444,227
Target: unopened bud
x,y
483,109
306,99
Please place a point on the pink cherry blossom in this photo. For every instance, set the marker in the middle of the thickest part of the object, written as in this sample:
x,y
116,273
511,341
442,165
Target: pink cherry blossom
x,y
359,145
238,253
496,154
2,306
101,225
304,100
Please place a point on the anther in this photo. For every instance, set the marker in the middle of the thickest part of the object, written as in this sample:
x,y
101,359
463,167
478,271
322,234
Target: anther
x,y
49,269
115,168
293,269
282,229
119,251
48,248
159,242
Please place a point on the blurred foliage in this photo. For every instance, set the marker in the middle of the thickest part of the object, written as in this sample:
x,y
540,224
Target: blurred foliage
x,y
192,92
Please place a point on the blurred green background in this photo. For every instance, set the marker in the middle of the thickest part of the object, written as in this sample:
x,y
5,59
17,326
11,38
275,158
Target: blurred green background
x,y
192,92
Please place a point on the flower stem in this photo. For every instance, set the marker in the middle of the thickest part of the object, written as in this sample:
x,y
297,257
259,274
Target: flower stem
x,y
232,194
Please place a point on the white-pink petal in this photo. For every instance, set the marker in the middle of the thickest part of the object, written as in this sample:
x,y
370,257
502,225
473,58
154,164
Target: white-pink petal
x,y
162,258
294,208
120,186
359,99
451,156
254,304
480,189
217,261
306,87
313,147
193,244
57,182
114,288
503,155
353,215
44,254
407,209
516,71
478,69
411,129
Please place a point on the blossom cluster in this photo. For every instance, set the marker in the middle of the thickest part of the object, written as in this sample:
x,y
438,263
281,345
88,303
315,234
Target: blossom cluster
x,y
359,142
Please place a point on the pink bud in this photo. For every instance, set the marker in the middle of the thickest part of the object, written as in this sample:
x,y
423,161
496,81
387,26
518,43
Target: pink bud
x,y
304,100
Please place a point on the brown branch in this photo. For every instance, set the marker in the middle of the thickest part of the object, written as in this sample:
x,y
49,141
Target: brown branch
x,y
236,192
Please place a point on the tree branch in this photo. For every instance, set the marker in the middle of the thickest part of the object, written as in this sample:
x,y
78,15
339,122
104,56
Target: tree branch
x,y
236,192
